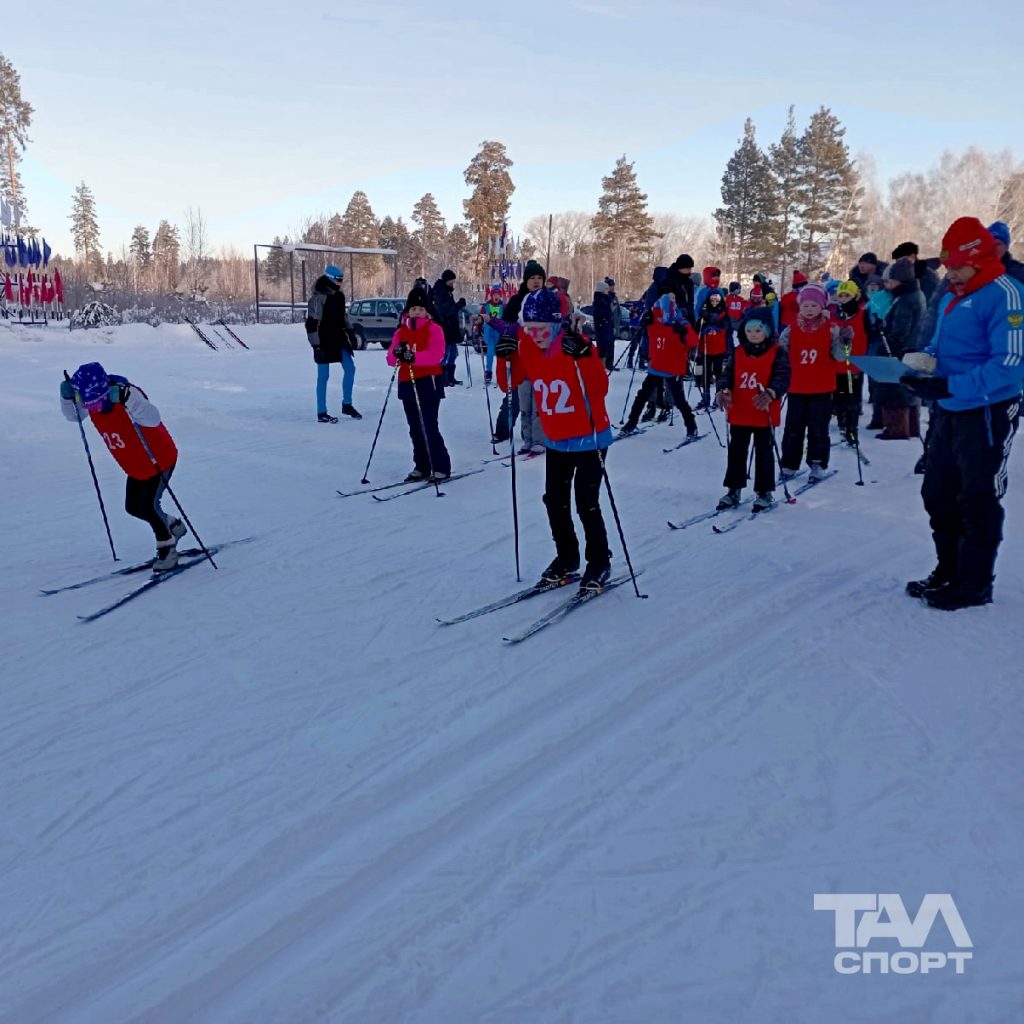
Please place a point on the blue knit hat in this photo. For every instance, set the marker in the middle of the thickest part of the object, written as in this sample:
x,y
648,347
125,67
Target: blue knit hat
x,y
1000,231
92,383
334,273
542,307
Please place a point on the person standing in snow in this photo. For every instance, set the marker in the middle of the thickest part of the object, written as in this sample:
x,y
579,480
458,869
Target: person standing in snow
x,y
328,333
901,410
978,373
715,330
735,304
604,324
789,304
750,389
814,346
555,359
711,278
135,436
492,309
671,338
1000,231
445,311
926,276
847,399
417,348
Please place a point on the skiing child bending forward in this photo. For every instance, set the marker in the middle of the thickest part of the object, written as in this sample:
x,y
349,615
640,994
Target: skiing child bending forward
x,y
577,431
750,389
140,444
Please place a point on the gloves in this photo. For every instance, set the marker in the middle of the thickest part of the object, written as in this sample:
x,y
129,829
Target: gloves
x,y
724,399
507,346
118,394
931,389
647,319
67,390
764,398
350,338
405,353
574,344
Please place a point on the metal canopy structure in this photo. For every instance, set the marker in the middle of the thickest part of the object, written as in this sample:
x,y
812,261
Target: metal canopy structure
x,y
292,249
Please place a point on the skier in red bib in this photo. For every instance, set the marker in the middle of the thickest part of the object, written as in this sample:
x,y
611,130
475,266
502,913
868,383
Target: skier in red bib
x,y
750,389
848,398
577,431
814,345
141,445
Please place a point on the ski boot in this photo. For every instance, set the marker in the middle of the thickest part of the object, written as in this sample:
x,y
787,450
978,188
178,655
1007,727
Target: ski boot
x,y
763,501
415,476
595,576
166,555
730,499
958,595
817,472
560,570
177,527
937,579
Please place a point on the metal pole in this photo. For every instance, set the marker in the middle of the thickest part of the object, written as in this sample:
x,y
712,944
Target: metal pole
x,y
291,281
396,271
352,276
547,265
304,292
256,270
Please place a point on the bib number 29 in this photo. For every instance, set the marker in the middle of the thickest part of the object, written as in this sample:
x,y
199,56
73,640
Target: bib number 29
x,y
558,392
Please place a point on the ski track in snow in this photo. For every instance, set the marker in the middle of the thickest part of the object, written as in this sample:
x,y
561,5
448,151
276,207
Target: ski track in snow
x,y
278,792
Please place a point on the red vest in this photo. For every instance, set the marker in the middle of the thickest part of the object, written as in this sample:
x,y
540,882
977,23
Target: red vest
x,y
736,306
859,345
712,341
749,371
556,387
810,358
789,309
118,433
668,352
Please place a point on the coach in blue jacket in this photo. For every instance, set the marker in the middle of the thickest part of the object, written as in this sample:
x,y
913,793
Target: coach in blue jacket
x,y
978,346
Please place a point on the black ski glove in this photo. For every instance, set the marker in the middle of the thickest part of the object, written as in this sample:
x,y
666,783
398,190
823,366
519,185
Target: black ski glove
x,y
575,344
405,353
931,389
507,346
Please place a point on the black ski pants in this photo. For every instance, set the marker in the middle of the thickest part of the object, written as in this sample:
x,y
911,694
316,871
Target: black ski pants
x,y
650,385
764,458
560,471
142,500
965,478
806,415
846,403
428,452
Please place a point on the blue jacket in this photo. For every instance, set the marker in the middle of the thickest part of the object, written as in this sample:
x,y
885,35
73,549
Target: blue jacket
x,y
979,345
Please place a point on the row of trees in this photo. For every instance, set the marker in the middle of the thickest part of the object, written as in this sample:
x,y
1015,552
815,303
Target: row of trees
x,y
15,121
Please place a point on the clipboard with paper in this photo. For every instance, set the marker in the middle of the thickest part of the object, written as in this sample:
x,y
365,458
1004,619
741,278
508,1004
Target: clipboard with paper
x,y
885,369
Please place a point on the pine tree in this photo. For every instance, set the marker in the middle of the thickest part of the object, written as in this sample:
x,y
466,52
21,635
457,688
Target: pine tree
x,y
745,220
429,238
359,226
487,207
623,228
85,229
784,159
166,256
139,247
276,267
461,249
828,193
15,121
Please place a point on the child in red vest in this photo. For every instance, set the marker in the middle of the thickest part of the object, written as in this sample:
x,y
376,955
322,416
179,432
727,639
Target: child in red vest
x,y
814,345
577,431
789,304
418,349
141,445
847,401
735,304
751,387
670,340
715,329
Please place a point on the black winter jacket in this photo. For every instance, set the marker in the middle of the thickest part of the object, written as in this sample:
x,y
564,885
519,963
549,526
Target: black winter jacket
x,y
446,311
330,328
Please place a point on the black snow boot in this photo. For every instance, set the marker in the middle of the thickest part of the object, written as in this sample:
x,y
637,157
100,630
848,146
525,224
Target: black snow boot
x,y
350,410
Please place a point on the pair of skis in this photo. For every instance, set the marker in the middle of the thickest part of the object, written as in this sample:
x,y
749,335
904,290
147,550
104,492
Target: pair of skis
x,y
421,486
560,611
685,441
803,488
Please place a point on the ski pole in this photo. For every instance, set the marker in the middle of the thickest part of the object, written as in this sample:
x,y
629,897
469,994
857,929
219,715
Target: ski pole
x,y
629,390
469,369
856,432
423,431
487,393
92,469
512,453
790,500
167,484
373,446
607,483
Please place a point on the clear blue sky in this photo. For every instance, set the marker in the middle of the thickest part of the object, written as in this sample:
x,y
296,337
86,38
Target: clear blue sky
x,y
263,113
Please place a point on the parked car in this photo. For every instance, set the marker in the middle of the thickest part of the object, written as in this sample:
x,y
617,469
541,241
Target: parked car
x,y
375,320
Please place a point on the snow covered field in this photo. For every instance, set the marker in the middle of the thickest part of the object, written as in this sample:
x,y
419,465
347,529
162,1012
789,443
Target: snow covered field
x,y
279,792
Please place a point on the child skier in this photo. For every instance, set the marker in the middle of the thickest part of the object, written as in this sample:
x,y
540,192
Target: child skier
x,y
492,310
735,304
418,349
814,345
715,342
751,387
141,445
849,393
569,385
670,339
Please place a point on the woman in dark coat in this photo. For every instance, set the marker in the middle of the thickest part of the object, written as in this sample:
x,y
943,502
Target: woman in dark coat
x,y
901,411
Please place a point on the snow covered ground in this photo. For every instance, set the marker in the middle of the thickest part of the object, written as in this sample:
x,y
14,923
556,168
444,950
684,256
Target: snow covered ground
x,y
280,792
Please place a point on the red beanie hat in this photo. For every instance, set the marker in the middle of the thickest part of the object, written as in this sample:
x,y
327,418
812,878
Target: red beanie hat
x,y
968,243
799,278
712,275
